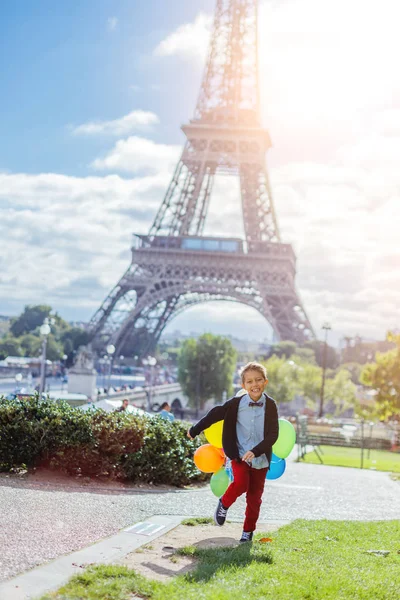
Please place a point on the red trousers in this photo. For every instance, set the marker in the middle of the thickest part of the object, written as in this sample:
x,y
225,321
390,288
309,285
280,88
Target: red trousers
x,y
249,480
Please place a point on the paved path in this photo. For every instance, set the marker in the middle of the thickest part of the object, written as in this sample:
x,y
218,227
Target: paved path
x,y
37,525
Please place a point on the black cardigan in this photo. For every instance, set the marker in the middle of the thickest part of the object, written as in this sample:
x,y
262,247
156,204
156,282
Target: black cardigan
x,y
228,413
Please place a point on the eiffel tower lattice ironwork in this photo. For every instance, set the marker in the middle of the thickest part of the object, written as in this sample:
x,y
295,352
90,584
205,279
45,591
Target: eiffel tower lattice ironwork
x,y
175,266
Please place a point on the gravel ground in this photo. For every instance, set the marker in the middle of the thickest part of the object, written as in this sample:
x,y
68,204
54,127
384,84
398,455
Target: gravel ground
x,y
38,524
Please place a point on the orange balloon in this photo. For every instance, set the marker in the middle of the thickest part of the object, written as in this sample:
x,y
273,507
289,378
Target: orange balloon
x,y
208,459
221,451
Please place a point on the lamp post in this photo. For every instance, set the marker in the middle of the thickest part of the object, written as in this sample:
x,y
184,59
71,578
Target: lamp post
x,y
105,369
64,358
110,352
326,327
18,380
44,332
121,358
151,361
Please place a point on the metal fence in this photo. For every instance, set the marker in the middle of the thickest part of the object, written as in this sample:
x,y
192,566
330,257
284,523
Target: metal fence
x,y
349,433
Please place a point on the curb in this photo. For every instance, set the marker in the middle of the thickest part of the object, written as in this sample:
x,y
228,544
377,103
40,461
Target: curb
x,y
54,574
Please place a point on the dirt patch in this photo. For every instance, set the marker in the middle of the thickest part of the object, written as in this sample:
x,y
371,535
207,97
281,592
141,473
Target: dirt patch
x,y
159,559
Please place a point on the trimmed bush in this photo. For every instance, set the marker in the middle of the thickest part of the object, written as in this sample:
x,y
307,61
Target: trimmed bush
x,y
114,435
36,433
166,456
31,429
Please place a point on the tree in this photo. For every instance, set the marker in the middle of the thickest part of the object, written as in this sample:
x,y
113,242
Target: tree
x,y
341,391
283,349
73,338
282,379
355,371
9,347
30,319
54,350
332,358
384,377
205,368
306,355
309,382
30,345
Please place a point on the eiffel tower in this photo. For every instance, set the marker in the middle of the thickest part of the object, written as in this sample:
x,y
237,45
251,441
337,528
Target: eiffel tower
x,y
175,265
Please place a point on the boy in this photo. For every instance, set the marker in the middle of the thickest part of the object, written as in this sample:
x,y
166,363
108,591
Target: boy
x,y
250,430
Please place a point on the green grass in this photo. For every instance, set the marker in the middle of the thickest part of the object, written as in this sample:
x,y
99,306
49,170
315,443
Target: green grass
x,y
380,460
198,521
307,560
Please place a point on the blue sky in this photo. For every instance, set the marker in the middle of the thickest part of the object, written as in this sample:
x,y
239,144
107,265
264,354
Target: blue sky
x,y
93,94
64,64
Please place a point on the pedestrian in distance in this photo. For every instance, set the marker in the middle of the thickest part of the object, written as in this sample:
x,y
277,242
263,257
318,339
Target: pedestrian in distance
x,y
250,430
123,406
165,412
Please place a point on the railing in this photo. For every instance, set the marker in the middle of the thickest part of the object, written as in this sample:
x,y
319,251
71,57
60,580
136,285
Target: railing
x,y
212,244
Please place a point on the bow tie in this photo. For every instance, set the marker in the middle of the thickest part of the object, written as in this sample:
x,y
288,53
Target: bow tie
x,y
255,404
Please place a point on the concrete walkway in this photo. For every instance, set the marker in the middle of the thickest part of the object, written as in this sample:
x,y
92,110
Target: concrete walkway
x,y
37,525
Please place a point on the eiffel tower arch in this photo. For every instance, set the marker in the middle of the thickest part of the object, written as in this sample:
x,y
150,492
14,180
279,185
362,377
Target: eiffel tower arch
x,y
175,265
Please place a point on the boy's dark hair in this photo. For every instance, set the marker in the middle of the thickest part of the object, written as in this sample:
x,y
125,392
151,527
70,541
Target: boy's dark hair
x,y
253,366
163,405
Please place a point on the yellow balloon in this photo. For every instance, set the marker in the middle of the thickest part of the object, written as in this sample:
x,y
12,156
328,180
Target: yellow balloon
x,y
214,434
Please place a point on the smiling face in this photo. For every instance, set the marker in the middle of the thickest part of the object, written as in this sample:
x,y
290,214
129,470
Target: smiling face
x,y
254,384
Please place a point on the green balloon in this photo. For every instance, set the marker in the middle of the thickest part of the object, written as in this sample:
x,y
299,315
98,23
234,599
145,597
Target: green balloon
x,y
219,482
286,439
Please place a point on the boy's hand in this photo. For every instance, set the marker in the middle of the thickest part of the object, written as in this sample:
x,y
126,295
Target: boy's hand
x,y
248,456
188,434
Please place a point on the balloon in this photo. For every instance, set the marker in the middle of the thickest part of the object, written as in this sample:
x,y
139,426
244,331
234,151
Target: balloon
x,y
276,468
208,459
219,483
221,451
214,434
286,439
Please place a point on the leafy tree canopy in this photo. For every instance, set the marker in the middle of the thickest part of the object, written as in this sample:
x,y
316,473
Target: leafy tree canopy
x,y
283,349
30,319
332,357
384,377
9,347
24,337
206,367
31,344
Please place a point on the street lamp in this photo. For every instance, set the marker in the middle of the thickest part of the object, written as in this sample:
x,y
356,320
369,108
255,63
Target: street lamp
x,y
18,379
110,351
151,361
105,369
44,332
121,358
64,358
326,327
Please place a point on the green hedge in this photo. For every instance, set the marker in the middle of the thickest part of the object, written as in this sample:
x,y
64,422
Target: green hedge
x,y
35,433
30,430
166,456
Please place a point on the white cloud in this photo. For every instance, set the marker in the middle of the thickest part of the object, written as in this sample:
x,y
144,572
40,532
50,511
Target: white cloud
x,y
112,23
135,120
188,40
137,154
64,231
332,102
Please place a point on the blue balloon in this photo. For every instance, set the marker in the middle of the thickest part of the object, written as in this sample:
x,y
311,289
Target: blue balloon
x,y
276,468
275,458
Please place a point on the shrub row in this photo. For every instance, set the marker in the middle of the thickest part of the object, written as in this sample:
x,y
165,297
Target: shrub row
x,y
43,433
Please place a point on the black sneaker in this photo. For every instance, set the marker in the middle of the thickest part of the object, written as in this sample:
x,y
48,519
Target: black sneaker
x,y
247,536
220,514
